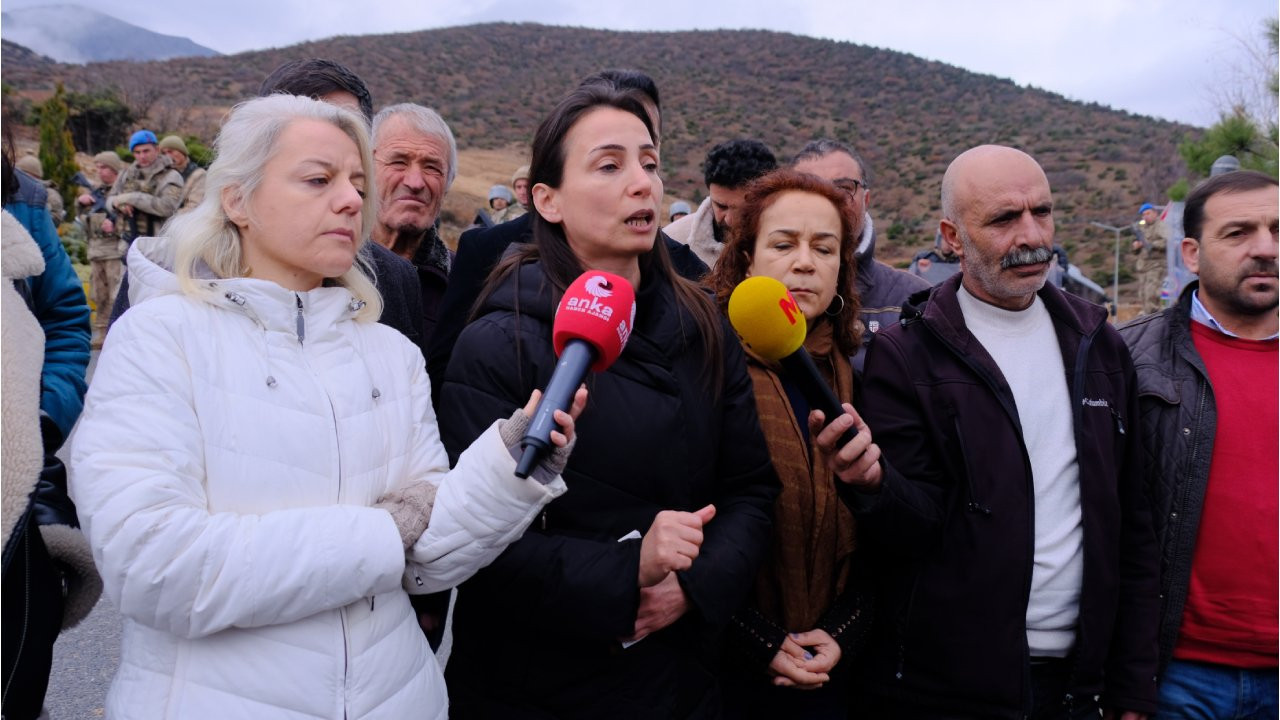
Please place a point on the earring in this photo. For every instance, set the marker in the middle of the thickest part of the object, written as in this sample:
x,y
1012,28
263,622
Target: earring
x,y
839,309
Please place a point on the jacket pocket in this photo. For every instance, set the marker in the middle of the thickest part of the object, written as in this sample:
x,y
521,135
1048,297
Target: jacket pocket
x,y
972,503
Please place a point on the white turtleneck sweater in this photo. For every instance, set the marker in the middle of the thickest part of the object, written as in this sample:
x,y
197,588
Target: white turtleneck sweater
x,y
1025,347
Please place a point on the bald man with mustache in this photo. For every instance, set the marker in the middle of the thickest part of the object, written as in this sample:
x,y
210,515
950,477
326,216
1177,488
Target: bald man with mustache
x,y
1018,561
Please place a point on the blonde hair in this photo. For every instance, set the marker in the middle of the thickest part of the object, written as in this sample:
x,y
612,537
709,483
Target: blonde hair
x,y
248,140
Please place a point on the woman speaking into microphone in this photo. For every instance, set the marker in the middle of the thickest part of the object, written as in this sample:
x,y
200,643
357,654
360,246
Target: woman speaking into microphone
x,y
806,613
611,603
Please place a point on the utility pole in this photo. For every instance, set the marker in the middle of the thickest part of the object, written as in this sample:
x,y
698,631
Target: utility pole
x,y
1115,276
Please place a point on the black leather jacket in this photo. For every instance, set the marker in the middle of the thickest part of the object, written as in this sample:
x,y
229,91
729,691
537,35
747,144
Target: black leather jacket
x,y
1178,424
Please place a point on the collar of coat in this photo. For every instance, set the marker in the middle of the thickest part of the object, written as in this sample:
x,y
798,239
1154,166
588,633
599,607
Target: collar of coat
x,y
696,231
161,165
661,328
272,307
939,308
19,254
432,253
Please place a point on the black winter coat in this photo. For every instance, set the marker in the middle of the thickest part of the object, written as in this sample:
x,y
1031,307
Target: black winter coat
x,y
1179,420
953,523
536,633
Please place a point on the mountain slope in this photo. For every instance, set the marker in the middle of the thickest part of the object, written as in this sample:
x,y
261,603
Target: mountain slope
x,y
77,34
907,116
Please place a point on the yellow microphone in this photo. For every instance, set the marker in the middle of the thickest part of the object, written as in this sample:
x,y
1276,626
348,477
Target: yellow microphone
x,y
767,318
771,324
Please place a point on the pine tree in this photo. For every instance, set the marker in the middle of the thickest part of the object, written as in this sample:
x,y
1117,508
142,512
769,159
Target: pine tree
x,y
1252,137
57,152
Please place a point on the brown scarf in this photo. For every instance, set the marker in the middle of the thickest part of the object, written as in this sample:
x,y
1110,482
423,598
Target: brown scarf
x,y
813,537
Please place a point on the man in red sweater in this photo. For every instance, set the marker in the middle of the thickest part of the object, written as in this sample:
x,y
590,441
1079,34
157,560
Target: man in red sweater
x,y
1210,397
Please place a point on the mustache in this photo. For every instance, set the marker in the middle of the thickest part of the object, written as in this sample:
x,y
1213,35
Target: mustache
x,y
1025,256
1258,266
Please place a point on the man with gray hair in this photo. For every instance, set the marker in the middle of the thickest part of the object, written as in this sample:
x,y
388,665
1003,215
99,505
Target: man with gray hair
x,y
882,290
415,160
1020,568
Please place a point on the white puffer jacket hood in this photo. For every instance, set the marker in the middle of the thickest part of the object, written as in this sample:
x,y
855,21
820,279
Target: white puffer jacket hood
x,y
230,450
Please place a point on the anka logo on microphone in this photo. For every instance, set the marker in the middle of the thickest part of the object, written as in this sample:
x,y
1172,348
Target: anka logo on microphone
x,y
624,328
598,287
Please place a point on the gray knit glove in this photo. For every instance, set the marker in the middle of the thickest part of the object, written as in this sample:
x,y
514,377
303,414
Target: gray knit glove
x,y
410,508
512,431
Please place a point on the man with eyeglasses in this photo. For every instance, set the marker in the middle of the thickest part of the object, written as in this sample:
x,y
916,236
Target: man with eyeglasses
x,y
415,161
882,289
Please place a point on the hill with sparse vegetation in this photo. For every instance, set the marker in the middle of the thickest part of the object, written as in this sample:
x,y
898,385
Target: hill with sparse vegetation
x,y
493,83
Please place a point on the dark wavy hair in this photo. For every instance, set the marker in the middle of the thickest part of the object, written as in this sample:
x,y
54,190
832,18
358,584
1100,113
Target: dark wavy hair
x,y
560,266
735,163
738,252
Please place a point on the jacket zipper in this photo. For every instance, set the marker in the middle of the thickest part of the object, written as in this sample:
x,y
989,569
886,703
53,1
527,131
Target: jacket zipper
x,y
1180,500
346,655
337,448
974,505
301,328
1077,414
901,630
301,324
1086,342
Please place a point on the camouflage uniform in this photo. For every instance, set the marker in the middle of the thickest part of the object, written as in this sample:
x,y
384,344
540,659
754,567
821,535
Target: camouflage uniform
x,y
1152,266
510,212
154,192
57,209
192,186
106,253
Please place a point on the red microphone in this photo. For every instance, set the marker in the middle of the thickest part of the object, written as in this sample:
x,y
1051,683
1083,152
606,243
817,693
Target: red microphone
x,y
592,325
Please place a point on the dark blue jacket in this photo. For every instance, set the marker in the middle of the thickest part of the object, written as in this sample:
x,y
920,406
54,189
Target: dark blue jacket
x,y
58,302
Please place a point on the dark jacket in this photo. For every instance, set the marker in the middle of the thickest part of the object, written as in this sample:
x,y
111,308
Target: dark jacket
x,y
953,521
397,280
58,302
882,291
432,260
536,633
479,250
395,277
1177,428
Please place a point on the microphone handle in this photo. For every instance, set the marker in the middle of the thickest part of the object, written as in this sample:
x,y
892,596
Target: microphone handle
x,y
571,370
800,368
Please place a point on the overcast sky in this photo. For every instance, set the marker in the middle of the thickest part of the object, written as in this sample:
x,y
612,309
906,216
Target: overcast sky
x,y
1166,58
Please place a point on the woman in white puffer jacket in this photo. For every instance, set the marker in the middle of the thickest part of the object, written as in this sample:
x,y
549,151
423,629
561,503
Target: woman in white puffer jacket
x,y
257,459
